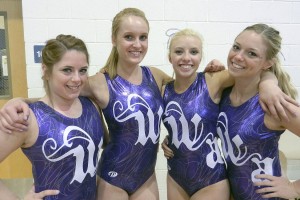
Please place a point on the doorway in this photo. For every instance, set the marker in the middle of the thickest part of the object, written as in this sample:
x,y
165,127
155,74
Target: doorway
x,y
16,167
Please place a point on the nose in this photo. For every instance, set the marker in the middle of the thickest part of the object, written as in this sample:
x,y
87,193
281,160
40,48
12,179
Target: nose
x,y
137,43
76,77
186,57
239,55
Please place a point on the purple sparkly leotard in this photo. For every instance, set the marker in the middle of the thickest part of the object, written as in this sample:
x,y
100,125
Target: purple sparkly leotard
x,y
249,147
65,155
133,116
190,119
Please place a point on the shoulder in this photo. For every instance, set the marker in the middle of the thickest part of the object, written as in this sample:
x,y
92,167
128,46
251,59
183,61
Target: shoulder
x,y
155,71
30,136
218,78
216,82
97,83
160,76
97,78
99,89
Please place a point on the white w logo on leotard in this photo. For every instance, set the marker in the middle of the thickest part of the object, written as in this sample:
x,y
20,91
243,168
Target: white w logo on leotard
x,y
198,138
153,133
264,165
78,152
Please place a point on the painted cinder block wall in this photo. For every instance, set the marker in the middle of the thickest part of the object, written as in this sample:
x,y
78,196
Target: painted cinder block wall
x,y
219,21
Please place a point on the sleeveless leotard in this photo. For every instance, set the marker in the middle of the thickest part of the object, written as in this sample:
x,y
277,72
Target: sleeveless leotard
x,y
190,119
249,147
65,155
133,116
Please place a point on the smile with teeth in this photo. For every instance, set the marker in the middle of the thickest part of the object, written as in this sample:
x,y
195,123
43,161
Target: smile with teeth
x,y
237,66
135,53
73,87
185,66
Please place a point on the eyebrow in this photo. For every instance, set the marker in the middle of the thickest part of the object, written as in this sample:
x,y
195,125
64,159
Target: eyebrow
x,y
252,49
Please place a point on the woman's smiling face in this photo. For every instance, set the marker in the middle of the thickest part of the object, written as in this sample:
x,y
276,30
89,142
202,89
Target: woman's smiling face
x,y
132,40
247,57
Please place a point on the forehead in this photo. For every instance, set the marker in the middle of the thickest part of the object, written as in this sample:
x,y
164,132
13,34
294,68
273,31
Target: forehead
x,y
251,40
133,24
73,58
186,42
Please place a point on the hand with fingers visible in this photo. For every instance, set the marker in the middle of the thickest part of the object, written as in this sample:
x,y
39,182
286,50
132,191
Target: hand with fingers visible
x,y
168,153
274,186
273,100
31,195
214,66
14,115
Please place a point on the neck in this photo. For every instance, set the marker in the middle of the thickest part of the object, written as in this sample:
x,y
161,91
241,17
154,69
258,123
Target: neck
x,y
182,84
243,90
68,108
133,74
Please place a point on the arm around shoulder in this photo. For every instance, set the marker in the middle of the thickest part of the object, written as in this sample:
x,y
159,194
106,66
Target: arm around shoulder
x,y
294,120
160,77
272,100
10,114
217,82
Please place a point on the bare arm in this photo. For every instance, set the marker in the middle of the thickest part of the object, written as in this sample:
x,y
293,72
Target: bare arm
x,y
160,77
14,114
294,121
11,118
10,142
214,66
217,82
272,100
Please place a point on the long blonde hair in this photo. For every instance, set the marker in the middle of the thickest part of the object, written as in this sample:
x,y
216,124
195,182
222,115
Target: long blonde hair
x,y
111,64
273,40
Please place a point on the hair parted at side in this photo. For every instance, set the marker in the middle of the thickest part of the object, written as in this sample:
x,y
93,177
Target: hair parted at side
x,y
273,40
55,49
111,64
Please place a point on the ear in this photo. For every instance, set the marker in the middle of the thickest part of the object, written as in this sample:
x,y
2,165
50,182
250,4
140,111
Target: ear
x,y
268,64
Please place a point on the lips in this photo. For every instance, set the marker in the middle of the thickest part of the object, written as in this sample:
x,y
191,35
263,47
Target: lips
x,y
186,66
73,87
236,66
136,53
